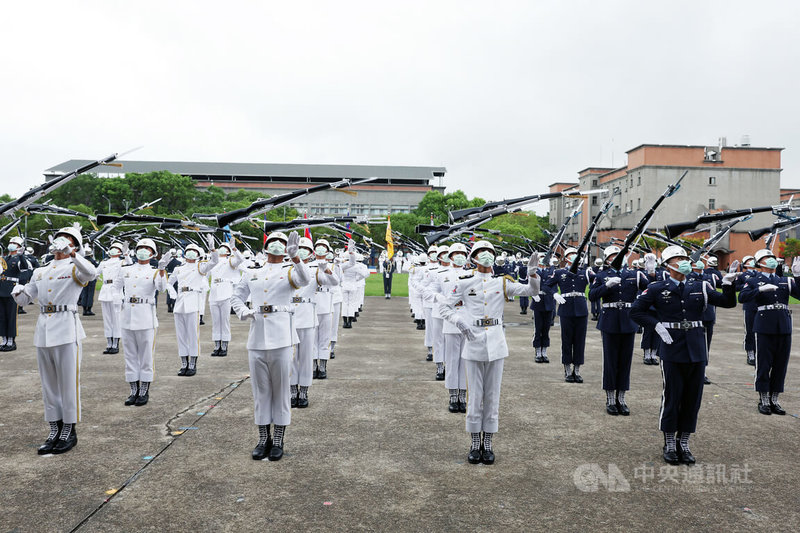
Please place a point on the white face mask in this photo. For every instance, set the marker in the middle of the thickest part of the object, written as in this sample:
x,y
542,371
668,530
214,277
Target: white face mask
x,y
143,254
13,247
276,248
485,258
190,254
114,252
432,256
321,250
303,253
223,252
459,260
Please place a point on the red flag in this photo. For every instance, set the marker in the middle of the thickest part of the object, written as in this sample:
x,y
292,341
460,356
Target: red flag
x,y
265,233
307,233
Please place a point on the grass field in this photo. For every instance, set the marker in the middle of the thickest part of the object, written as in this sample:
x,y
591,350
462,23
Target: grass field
x,y
375,285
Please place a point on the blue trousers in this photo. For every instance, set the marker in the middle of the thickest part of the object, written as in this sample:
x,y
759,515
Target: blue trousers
x,y
541,331
749,336
617,357
772,359
573,339
681,396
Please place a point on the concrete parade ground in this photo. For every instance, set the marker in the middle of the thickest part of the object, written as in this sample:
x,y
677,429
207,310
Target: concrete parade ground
x,y
377,449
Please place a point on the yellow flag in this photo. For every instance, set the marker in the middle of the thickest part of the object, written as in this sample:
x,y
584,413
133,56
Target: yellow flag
x,y
389,241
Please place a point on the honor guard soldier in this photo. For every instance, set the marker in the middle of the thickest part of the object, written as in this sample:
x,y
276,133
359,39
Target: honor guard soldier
x,y
352,272
543,306
433,327
58,335
324,280
573,315
272,335
748,308
429,287
386,270
13,265
650,339
223,277
596,304
110,298
137,285
86,298
772,326
336,301
456,377
480,319
679,303
617,290
190,279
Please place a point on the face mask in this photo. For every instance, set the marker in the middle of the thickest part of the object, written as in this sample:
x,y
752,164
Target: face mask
x,y
223,252
303,253
114,252
684,267
432,256
13,247
771,263
276,248
320,250
143,254
485,258
750,263
191,254
460,260
571,258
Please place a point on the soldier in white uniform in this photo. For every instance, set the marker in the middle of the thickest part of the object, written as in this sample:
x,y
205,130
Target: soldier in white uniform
x,y
481,321
352,272
137,284
336,302
58,335
223,277
323,297
433,327
428,287
187,303
110,299
456,377
272,335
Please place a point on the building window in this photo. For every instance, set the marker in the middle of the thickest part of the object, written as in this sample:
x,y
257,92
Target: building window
x,y
638,204
638,180
712,180
712,203
594,200
594,183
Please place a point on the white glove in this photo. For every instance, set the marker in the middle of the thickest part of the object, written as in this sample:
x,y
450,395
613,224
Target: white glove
x,y
768,287
663,333
611,282
293,245
560,299
125,248
163,262
210,241
533,265
734,267
17,290
351,246
729,278
650,263
796,266
62,245
465,328
537,298
248,314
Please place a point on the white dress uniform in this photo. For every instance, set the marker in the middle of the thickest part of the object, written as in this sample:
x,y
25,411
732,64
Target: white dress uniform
x,y
223,277
59,333
352,273
456,376
190,278
336,304
138,284
417,271
110,300
427,285
483,297
272,335
325,286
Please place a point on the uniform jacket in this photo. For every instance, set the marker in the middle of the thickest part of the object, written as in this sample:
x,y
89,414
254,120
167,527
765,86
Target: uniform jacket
x,y
566,282
770,321
109,270
137,285
305,298
190,279
16,269
617,319
223,277
547,288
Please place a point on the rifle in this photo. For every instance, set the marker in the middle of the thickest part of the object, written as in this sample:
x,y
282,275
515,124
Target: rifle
x,y
645,220
299,222
588,236
714,239
5,230
673,230
262,206
777,227
467,225
111,224
458,214
48,208
556,240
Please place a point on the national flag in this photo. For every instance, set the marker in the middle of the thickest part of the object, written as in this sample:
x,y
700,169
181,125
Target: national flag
x,y
307,232
389,241
265,231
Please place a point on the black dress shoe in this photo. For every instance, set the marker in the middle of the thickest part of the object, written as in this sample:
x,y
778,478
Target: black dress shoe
x,y
440,376
142,400
113,350
130,400
302,403
462,407
21,311
275,453
215,353
347,325
190,371
47,447
429,357
570,378
538,359
260,452
182,371
578,378
686,457
487,457
107,350
322,374
764,409
222,353
202,323
545,359
333,355
454,406
671,456
4,348
420,326
293,401
777,409
612,409
706,381
474,457
63,446
12,347
623,409
523,312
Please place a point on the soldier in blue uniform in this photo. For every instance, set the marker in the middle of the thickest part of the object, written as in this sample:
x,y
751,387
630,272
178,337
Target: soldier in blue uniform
x,y
749,309
617,289
543,307
13,265
650,340
86,299
521,275
596,304
573,315
679,302
710,312
772,326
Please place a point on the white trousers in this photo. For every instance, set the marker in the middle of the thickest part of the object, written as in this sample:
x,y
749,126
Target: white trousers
x,y
416,306
428,327
187,330
221,320
483,395
60,372
437,337
349,303
269,374
323,340
138,346
455,377
111,316
335,316
302,364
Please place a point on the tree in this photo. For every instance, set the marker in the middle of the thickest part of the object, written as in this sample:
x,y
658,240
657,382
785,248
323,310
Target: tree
x,y
789,248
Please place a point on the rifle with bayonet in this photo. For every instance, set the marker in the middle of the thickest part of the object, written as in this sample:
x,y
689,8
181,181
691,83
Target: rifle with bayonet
x,y
468,225
458,214
673,230
300,222
556,240
641,226
714,239
777,227
588,236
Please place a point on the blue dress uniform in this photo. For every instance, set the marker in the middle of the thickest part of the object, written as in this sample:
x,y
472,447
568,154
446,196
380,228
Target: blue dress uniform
x,y
749,309
773,332
650,340
86,299
618,331
679,308
521,275
574,317
543,307
13,268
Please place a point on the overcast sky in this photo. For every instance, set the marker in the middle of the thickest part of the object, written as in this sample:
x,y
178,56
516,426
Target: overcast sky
x,y
509,96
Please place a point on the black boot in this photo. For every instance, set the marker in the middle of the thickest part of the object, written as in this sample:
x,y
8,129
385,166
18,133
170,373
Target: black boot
x,y
487,455
315,374
474,455
333,354
67,439
52,438
223,349
419,324
144,393
439,371
134,392
611,403
293,395
774,405
264,444
276,452
114,345
302,397
215,353
201,321
429,357
454,406
184,366
684,455
670,453
108,345
347,324
192,370
323,369
462,400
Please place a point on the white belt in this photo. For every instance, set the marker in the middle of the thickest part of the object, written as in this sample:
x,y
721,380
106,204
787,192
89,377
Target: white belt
x,y
772,306
8,278
618,305
58,308
571,294
683,324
